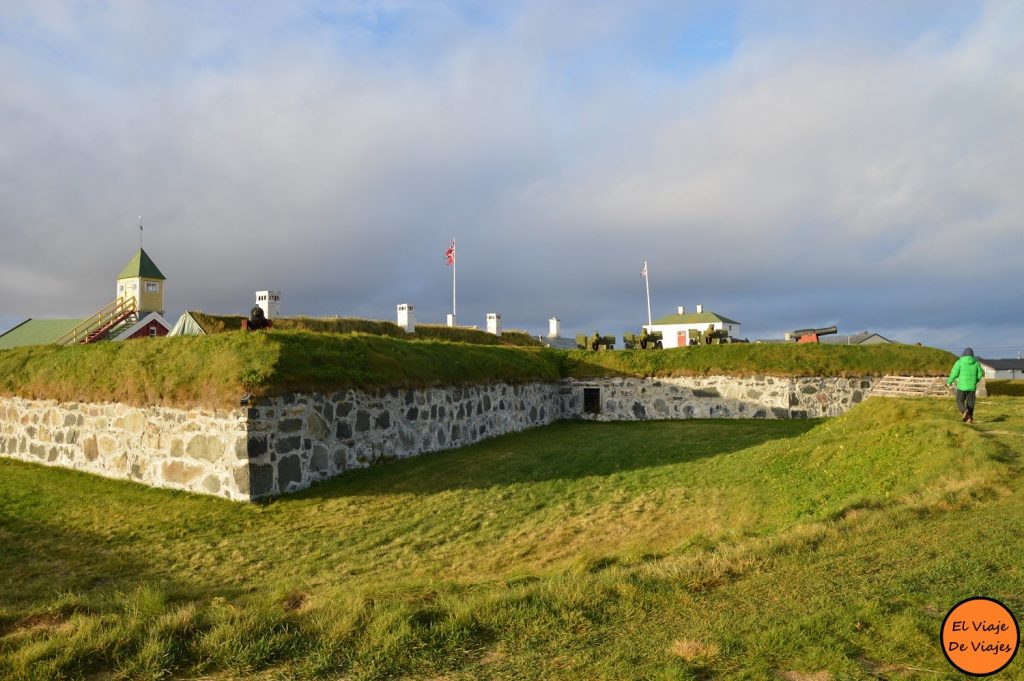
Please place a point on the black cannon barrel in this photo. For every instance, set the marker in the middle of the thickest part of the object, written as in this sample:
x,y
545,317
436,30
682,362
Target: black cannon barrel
x,y
826,331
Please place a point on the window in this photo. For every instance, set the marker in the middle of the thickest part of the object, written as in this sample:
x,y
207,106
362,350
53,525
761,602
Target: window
x,y
152,287
152,332
592,400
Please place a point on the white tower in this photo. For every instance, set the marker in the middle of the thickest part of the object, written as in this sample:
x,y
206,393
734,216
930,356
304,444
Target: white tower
x,y
554,328
407,317
270,301
494,323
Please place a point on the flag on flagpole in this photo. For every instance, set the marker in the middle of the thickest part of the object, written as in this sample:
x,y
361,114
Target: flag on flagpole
x,y
449,255
643,272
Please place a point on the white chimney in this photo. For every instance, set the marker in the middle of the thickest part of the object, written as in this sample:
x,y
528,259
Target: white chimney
x,y
494,323
554,328
407,317
681,310
451,319
270,301
700,308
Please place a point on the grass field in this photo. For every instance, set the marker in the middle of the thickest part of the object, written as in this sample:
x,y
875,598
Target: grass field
x,y
651,550
1007,387
215,371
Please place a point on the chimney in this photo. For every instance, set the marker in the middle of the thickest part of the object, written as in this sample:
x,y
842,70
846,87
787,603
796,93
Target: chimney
x,y
494,323
700,308
681,310
407,317
554,328
451,320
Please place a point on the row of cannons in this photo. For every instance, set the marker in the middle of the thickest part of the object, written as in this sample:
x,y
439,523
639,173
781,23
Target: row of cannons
x,y
654,340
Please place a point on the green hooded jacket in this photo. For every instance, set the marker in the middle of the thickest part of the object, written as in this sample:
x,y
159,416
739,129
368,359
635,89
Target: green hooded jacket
x,y
966,372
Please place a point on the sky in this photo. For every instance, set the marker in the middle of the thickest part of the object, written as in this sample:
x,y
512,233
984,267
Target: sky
x,y
784,164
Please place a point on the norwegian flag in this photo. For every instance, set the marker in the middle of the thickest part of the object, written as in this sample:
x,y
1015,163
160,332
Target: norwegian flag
x,y
449,255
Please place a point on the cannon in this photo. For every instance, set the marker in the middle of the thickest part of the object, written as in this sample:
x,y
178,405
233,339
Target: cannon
x,y
257,321
811,335
709,336
645,340
595,342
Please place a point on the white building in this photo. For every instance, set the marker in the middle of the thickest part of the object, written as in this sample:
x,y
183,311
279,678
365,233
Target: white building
x,y
494,323
270,301
675,328
407,317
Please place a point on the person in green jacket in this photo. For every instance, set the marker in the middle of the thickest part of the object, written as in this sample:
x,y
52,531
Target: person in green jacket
x,y
966,372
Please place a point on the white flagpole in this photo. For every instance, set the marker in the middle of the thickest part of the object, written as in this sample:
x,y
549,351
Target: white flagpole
x,y
455,260
647,285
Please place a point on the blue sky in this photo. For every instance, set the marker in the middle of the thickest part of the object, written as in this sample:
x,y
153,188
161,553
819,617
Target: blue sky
x,y
785,164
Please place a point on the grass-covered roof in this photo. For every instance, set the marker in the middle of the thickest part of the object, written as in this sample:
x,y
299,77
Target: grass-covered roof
x,y
216,370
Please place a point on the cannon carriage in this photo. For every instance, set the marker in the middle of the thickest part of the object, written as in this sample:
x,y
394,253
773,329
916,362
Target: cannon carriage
x,y
645,340
594,342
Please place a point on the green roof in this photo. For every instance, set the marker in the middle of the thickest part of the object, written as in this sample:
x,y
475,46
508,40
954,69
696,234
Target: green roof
x,y
36,332
141,265
695,318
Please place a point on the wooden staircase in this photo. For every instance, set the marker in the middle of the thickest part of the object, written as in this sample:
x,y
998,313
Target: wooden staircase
x,y
97,326
910,386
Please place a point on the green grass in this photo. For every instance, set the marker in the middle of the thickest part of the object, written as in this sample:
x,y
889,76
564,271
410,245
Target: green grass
x,y
775,359
676,550
1005,387
216,370
214,324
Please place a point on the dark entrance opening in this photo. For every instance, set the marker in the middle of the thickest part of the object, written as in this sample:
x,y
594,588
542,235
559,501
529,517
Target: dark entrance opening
x,y
592,400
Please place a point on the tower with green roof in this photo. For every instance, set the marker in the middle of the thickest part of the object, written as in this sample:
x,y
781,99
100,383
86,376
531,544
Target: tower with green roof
x,y
141,279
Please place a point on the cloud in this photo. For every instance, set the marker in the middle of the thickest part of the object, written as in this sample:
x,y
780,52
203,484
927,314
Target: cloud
x,y
854,164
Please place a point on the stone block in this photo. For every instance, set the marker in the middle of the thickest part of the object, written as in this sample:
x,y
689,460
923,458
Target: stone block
x,y
179,472
256,445
205,448
290,426
289,470
261,480
90,449
362,421
283,445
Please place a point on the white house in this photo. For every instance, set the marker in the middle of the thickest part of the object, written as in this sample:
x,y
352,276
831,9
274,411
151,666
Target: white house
x,y
675,327
1002,368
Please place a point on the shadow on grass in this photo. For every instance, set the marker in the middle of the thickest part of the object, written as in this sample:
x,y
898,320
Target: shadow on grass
x,y
565,450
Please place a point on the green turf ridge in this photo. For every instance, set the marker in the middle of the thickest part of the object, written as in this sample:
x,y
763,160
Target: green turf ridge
x,y
1005,387
657,550
216,370
213,324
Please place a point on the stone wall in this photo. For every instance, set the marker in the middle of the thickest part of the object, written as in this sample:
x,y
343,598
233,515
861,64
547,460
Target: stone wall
x,y
759,397
297,440
195,450
283,444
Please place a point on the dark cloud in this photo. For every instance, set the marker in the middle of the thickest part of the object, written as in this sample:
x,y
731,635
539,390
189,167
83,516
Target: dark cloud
x,y
862,170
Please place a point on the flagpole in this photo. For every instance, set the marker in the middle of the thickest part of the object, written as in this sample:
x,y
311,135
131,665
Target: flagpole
x,y
454,265
647,285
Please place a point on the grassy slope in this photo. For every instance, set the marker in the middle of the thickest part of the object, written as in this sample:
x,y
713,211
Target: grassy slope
x,y
216,370
1006,387
214,324
781,359
733,549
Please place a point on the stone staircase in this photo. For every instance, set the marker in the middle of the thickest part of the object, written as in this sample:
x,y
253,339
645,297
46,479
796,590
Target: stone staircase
x,y
910,386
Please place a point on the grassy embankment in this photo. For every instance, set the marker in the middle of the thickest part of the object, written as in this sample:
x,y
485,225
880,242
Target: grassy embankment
x,y
1005,387
671,550
216,370
214,324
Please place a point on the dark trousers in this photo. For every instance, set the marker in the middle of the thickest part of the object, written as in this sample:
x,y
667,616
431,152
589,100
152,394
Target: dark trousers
x,y
965,401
